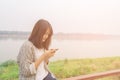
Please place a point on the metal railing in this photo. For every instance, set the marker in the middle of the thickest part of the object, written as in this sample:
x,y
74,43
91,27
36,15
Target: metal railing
x,y
96,75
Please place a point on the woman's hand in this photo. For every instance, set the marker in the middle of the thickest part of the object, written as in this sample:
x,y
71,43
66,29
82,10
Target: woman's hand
x,y
49,53
45,56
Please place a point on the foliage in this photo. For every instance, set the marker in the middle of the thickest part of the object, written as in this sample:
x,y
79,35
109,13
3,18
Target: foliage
x,y
67,68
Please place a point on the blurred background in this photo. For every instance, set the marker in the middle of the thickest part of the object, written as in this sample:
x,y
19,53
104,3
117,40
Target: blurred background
x,y
82,28
86,32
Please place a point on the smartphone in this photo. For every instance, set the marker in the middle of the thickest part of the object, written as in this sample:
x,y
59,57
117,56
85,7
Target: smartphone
x,y
54,50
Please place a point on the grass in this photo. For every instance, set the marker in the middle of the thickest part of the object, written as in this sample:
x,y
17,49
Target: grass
x,y
9,70
67,68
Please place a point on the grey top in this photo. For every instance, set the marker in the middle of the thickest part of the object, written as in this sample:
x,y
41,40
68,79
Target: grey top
x,y
25,58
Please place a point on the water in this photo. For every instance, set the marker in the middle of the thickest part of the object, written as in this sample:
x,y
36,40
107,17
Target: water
x,y
68,49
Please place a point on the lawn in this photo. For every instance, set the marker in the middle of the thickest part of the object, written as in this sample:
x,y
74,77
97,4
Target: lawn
x,y
67,68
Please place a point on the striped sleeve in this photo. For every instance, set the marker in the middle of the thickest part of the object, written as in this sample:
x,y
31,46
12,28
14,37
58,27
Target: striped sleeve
x,y
26,59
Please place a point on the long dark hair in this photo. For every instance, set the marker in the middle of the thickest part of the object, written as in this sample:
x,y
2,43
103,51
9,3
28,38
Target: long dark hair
x,y
38,31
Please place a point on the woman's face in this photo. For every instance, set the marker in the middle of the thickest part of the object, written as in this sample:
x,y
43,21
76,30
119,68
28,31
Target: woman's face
x,y
45,36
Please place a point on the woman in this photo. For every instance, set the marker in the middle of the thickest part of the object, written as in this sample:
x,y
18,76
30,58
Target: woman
x,y
34,53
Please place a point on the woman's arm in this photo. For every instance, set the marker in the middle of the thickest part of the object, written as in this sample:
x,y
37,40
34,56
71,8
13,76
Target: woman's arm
x,y
39,60
25,59
45,57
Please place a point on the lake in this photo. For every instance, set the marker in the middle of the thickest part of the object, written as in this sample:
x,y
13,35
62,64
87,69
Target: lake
x,y
68,49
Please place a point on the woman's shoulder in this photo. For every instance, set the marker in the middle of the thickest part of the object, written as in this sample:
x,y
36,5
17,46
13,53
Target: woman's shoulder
x,y
27,44
26,47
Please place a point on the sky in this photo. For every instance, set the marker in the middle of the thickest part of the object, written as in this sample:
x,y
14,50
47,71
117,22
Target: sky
x,y
67,16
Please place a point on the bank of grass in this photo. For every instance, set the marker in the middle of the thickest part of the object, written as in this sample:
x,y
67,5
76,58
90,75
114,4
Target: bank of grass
x,y
9,70
67,68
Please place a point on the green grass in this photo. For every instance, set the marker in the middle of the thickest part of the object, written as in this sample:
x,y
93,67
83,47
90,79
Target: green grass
x,y
9,70
67,68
